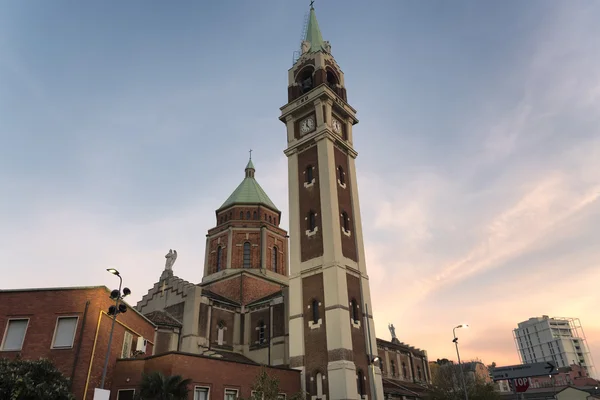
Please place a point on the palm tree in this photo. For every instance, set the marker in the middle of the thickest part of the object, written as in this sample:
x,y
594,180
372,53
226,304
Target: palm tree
x,y
156,386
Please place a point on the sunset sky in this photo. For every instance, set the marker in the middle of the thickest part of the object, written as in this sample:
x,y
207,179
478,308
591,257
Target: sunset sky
x,y
124,125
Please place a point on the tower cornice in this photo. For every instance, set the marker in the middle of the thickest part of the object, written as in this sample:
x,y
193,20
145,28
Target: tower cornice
x,y
321,92
321,134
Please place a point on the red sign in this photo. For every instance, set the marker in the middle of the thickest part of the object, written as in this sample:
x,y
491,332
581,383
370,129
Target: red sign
x,y
521,384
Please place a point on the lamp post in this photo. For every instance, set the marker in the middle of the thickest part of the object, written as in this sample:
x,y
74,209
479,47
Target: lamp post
x,y
462,373
114,310
372,359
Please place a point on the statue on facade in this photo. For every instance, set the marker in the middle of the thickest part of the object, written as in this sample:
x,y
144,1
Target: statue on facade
x,y
392,331
171,257
327,46
305,46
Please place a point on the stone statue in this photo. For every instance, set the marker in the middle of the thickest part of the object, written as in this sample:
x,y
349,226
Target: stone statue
x,y
305,46
392,331
171,257
327,46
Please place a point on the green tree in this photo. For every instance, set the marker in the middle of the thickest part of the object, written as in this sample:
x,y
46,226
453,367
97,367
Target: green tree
x,y
156,386
266,387
32,380
447,385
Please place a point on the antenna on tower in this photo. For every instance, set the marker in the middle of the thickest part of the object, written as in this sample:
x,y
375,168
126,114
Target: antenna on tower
x,y
297,53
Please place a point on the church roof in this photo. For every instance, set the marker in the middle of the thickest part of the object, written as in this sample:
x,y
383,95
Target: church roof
x,y
249,192
313,33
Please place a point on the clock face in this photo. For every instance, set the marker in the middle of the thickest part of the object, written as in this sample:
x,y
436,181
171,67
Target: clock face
x,y
337,126
307,125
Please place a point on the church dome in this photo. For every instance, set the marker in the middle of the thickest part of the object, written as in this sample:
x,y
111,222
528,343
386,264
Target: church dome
x,y
249,192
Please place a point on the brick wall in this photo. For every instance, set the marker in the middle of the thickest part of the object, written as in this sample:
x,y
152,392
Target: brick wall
x,y
345,204
309,200
358,334
203,371
315,340
42,307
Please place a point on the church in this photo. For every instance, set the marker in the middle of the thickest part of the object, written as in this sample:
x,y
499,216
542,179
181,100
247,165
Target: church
x,y
297,300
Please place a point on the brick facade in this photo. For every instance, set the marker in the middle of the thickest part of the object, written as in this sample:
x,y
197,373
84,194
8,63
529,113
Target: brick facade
x,y
84,361
309,200
215,374
344,195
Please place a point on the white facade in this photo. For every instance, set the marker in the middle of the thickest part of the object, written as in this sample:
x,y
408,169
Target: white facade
x,y
560,340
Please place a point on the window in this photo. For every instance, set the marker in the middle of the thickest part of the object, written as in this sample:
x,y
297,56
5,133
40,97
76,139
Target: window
x,y
230,215
393,367
419,373
354,311
319,385
381,365
231,394
274,259
64,332
315,311
404,372
309,174
254,215
270,219
14,336
312,221
241,215
360,382
341,175
126,394
127,342
247,255
345,222
200,393
220,333
247,214
219,249
261,329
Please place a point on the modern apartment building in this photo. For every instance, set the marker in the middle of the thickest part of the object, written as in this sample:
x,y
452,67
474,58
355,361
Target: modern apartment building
x,y
560,340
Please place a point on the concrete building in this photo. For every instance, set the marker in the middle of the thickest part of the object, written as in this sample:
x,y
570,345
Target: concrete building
x,y
70,327
560,340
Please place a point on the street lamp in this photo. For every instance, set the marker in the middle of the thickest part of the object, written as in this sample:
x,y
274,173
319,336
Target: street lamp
x,y
462,373
114,310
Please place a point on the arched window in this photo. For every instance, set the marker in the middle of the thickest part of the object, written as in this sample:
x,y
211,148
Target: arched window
x,y
265,217
341,175
419,373
308,175
404,372
219,249
261,332
230,215
254,215
274,258
247,255
270,219
354,311
312,221
393,367
241,215
360,382
305,79
345,221
332,78
220,332
315,311
247,214
274,220
319,385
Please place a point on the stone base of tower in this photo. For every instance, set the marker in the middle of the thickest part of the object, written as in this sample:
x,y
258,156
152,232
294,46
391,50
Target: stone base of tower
x,y
341,377
378,383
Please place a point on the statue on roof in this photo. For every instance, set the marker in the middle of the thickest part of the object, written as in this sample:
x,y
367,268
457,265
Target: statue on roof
x,y
171,257
305,46
392,331
327,46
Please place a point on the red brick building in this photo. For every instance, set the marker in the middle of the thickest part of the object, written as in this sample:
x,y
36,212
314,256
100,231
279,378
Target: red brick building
x,y
70,327
221,375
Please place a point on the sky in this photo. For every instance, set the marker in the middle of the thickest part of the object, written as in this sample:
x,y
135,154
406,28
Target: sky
x,y
125,125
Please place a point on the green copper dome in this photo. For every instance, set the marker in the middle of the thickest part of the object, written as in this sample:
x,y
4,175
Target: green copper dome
x,y
249,192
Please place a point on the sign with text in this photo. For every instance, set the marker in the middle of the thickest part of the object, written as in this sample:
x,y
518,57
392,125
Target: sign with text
x,y
521,385
524,371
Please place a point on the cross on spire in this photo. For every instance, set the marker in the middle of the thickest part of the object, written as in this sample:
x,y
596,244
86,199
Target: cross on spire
x,y
250,154
311,3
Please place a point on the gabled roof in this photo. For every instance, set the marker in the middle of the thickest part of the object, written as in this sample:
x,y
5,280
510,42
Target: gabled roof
x,y
163,318
249,192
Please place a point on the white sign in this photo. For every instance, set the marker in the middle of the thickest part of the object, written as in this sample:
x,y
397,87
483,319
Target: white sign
x,y
101,394
524,371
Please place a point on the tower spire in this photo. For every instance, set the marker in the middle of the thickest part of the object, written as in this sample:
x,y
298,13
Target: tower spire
x,y
250,167
313,37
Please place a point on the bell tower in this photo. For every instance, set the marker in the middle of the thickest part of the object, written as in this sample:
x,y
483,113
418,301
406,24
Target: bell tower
x,y
332,338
